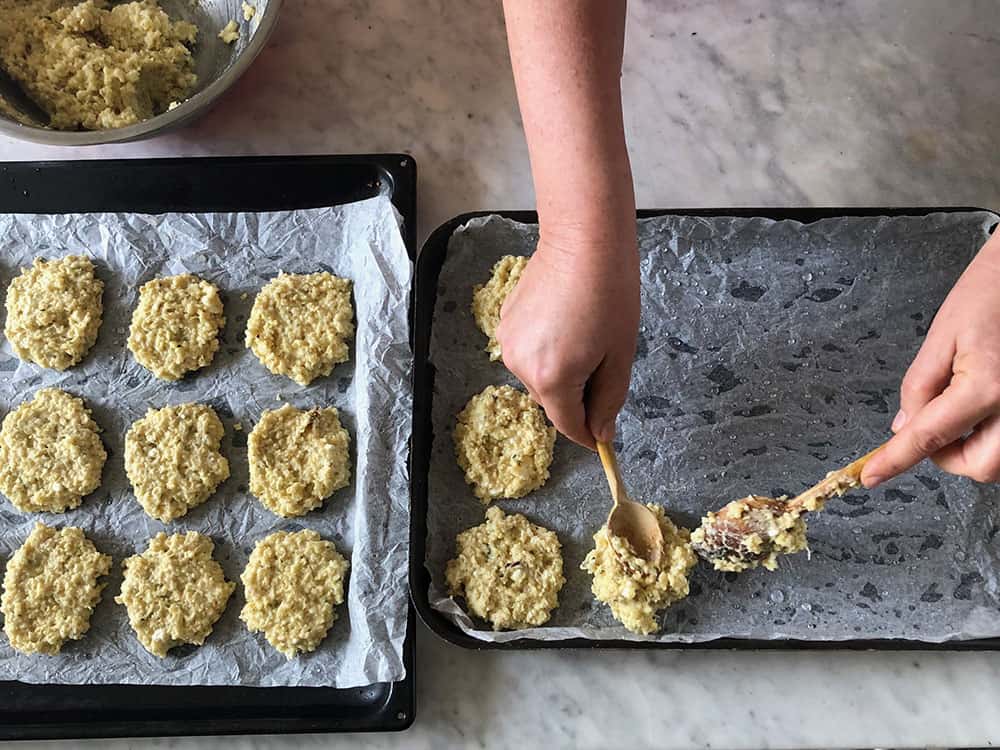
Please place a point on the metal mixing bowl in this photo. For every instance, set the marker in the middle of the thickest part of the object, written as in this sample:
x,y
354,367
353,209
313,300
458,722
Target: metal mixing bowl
x,y
217,64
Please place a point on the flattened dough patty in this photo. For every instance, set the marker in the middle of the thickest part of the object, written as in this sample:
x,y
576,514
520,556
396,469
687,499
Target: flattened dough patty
x,y
293,582
488,298
96,65
508,569
503,443
51,588
173,461
54,311
300,325
51,455
175,327
298,459
174,591
635,589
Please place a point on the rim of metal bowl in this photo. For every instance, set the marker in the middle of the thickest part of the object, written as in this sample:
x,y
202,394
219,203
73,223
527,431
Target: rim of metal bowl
x,y
187,110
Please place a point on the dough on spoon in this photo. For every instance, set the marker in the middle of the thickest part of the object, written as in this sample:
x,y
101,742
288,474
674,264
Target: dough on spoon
x,y
51,454
173,461
54,311
174,592
50,589
175,327
635,589
509,571
764,535
293,582
503,443
488,298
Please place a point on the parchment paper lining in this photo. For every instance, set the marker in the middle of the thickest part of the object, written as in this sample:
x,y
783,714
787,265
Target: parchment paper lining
x,y
368,521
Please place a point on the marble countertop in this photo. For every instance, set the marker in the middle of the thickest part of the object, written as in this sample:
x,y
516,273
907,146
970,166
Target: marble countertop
x,y
747,102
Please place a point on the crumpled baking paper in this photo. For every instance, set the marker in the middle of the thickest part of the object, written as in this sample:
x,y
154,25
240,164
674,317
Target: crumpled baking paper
x,y
770,352
368,521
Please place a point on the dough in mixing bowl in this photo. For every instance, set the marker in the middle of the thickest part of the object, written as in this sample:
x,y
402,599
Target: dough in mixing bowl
x,y
50,589
509,570
174,591
173,461
488,298
300,325
175,327
293,581
230,32
94,64
51,455
503,443
54,311
635,589
298,459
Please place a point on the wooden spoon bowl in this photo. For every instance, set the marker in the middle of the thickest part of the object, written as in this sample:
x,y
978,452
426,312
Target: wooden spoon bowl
x,y
629,519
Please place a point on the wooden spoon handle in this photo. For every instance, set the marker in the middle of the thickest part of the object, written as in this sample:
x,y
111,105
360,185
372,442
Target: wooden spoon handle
x,y
610,463
836,482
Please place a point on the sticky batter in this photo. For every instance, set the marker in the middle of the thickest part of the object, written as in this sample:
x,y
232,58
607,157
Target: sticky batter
x,y
51,454
503,443
300,325
50,589
54,311
174,592
175,327
635,589
173,461
298,459
762,536
96,65
488,298
293,581
509,571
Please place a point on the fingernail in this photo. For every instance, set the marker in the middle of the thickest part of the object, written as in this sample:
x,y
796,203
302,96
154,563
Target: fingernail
x,y
899,421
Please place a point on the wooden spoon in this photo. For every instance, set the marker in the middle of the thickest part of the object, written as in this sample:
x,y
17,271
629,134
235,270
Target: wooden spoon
x,y
629,519
724,536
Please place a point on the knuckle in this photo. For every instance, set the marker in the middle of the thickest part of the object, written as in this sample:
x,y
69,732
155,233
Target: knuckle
x,y
927,442
915,388
547,376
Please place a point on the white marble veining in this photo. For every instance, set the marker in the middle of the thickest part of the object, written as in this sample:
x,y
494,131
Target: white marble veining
x,y
743,102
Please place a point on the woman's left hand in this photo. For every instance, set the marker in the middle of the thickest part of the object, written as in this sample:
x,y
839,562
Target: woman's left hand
x,y
950,396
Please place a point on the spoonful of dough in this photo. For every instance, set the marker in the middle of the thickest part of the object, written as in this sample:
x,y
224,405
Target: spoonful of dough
x,y
629,519
755,530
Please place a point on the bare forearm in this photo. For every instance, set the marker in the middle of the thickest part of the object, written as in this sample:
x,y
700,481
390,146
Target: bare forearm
x,y
567,57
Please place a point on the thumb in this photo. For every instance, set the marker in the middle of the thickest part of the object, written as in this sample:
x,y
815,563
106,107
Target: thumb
x,y
607,390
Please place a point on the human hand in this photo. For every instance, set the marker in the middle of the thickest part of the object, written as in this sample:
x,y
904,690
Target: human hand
x,y
950,396
568,332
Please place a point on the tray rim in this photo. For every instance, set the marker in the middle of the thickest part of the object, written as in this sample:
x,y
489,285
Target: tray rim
x,y
430,260
396,176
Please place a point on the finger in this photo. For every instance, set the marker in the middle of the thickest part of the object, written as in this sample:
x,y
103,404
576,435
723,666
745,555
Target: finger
x,y
940,423
976,457
606,394
565,407
925,379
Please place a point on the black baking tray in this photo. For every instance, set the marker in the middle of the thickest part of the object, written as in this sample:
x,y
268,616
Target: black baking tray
x,y
207,184
429,264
